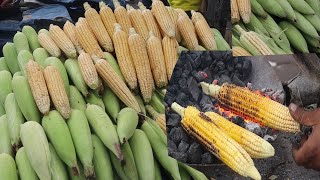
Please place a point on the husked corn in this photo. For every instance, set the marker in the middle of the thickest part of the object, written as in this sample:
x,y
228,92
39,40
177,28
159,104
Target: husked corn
x,y
244,10
159,118
174,15
162,16
150,20
235,16
122,16
170,50
239,51
88,70
107,18
47,43
138,22
70,30
188,32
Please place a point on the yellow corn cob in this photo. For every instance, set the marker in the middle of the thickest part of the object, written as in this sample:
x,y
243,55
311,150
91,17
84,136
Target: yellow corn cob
x,y
157,62
47,43
215,140
57,91
107,18
159,118
122,16
188,32
121,46
62,40
86,39
116,84
70,30
38,86
97,27
88,71
139,54
150,20
255,146
170,50
162,16
204,32
174,17
235,16
239,51
244,7
252,106
138,22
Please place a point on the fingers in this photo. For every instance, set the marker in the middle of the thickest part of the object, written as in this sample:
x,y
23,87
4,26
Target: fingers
x,y
307,118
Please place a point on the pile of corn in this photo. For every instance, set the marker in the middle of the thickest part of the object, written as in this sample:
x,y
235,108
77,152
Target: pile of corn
x,y
70,110
275,27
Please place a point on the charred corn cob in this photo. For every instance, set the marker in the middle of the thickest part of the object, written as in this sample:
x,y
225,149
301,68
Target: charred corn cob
x,y
38,86
116,84
122,16
70,30
88,71
150,20
107,18
204,31
235,16
188,32
47,43
62,40
139,54
170,50
57,91
159,118
157,62
97,27
160,12
86,39
239,51
214,139
252,106
138,22
244,10
174,17
255,146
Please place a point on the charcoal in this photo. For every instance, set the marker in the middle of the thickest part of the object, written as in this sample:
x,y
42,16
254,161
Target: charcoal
x,y
173,120
178,135
183,146
207,158
224,79
246,66
238,66
180,156
207,108
238,121
204,101
172,146
193,56
206,59
197,76
194,153
182,98
170,99
177,73
183,85
196,63
193,88
221,66
230,67
237,81
187,68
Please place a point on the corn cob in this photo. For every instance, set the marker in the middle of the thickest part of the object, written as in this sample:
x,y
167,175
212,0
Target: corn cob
x,y
5,84
216,141
159,118
24,57
62,41
244,10
174,15
97,27
235,16
305,26
157,62
47,43
38,86
122,16
8,168
120,39
86,38
127,122
116,84
40,55
10,57
272,7
74,72
150,20
252,143
88,71
20,42
181,11
32,37
315,5
256,25
288,9
139,54
188,32
253,43
58,169
107,18
257,9
70,30
113,62
170,50
23,165
138,22
163,18
259,108
239,51
57,91
5,144
302,7
222,44
203,31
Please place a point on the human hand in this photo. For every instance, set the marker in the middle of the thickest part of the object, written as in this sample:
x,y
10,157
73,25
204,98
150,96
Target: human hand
x,y
308,153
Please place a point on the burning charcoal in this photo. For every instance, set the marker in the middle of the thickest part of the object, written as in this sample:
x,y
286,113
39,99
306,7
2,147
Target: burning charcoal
x,y
197,76
237,81
173,120
223,79
172,146
205,100
221,65
180,156
183,146
207,158
193,88
238,121
194,153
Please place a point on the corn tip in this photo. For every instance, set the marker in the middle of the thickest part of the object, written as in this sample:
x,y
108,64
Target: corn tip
x,y
177,108
268,149
253,173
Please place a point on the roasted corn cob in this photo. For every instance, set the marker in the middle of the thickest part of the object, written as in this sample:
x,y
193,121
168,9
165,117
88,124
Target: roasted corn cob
x,y
159,118
57,91
122,16
97,27
150,20
170,50
62,40
70,30
174,17
188,32
157,62
252,106
160,12
116,84
107,18
88,70
86,39
239,51
47,43
138,22
235,16
244,10
255,146
216,141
